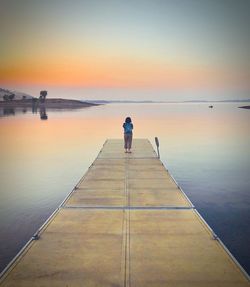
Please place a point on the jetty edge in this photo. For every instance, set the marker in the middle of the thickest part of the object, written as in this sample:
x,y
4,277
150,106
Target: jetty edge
x,y
125,223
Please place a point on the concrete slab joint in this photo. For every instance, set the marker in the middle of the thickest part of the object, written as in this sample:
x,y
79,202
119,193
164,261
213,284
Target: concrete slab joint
x,y
126,223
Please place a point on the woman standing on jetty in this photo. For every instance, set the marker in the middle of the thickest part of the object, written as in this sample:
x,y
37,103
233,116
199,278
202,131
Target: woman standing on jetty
x,y
128,134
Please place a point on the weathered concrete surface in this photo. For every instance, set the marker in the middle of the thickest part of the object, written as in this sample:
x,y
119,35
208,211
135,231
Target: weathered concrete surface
x,y
114,149
126,224
173,248
79,248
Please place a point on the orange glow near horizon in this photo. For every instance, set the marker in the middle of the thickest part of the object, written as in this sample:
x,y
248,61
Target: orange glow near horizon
x,y
119,72
94,44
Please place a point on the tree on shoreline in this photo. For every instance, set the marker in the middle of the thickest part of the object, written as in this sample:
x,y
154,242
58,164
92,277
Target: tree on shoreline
x,y
43,95
8,98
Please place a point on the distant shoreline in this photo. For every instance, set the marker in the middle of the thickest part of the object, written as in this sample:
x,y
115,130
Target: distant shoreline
x,y
55,103
166,102
58,103
245,107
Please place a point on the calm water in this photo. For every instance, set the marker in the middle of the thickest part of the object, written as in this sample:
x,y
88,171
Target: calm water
x,y
207,151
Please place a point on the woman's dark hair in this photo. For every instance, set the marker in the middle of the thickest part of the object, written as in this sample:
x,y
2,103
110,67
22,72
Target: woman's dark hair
x,y
128,120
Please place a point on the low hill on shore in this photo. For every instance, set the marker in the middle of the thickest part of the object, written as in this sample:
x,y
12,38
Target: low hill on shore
x,y
245,107
17,95
15,99
49,103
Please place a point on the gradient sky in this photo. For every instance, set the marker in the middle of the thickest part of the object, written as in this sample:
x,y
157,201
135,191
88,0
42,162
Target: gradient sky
x,y
164,45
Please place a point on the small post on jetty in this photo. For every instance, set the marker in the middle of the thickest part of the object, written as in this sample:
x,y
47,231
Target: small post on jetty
x,y
157,145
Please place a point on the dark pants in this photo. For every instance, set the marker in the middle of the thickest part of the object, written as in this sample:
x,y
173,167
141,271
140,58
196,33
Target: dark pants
x,y
128,141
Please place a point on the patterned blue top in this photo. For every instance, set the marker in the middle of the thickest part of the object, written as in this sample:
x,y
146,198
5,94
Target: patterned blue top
x,y
128,127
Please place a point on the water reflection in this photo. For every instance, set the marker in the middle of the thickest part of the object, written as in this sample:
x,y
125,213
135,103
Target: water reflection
x,y
207,151
8,112
43,115
34,108
11,111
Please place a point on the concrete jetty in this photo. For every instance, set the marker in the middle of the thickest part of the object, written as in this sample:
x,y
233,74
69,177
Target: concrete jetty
x,y
126,223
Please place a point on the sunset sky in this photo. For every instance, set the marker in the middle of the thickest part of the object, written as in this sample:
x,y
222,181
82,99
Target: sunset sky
x,y
141,45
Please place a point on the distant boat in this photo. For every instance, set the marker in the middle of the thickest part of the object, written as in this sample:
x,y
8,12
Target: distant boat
x,y
211,107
